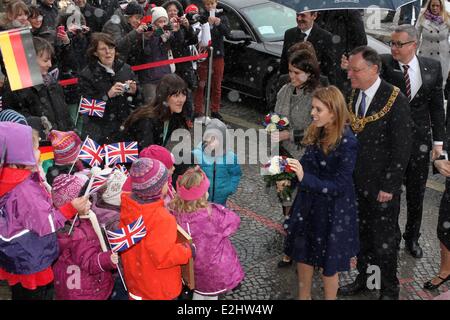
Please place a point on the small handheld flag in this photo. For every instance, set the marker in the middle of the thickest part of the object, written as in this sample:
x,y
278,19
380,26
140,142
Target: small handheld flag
x,y
121,152
125,238
91,153
92,107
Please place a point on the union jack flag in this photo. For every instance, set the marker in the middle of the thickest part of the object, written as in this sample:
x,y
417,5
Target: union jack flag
x,y
98,182
92,153
121,152
121,168
125,238
92,107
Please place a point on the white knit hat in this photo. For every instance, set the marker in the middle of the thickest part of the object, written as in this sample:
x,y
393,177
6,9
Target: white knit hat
x,y
114,188
158,12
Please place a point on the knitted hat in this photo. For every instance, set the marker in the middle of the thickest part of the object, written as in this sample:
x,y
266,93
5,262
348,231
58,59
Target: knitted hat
x,y
191,8
133,8
16,144
65,188
159,12
9,115
114,188
159,153
148,178
66,146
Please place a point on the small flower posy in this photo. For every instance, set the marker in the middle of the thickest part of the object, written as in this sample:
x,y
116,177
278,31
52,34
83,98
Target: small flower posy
x,y
273,121
277,169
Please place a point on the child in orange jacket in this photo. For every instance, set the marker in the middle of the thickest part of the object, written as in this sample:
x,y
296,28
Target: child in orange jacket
x,y
152,266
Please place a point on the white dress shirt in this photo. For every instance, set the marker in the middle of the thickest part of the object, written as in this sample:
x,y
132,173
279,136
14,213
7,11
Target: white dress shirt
x,y
415,76
370,93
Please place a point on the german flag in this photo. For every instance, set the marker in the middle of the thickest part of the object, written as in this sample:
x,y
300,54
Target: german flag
x,y
47,155
20,58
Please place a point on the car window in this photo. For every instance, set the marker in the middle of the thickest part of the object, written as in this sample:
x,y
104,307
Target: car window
x,y
234,20
270,20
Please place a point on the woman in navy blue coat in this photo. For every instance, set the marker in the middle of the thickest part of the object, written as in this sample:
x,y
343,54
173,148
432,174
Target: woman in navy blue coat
x,y
323,231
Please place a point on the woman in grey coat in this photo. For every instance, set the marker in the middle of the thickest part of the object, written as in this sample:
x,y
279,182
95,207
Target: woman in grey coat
x,y
433,26
294,102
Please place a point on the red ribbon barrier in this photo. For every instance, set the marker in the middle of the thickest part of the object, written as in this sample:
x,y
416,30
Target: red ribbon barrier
x,y
69,82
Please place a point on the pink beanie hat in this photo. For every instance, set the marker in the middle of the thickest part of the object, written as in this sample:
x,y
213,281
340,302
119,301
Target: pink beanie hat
x,y
154,152
65,188
195,192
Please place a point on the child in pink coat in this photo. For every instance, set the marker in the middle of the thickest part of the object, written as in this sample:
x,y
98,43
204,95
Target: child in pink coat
x,y
83,271
216,265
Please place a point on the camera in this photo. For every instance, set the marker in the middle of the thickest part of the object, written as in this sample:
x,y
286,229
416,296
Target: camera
x,y
196,17
149,27
126,87
168,27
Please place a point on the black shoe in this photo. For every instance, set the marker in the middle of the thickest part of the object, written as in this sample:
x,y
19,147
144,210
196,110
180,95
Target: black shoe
x,y
389,18
388,297
430,286
283,264
414,249
358,286
216,115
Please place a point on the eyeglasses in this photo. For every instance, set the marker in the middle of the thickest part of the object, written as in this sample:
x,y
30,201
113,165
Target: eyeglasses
x,y
399,44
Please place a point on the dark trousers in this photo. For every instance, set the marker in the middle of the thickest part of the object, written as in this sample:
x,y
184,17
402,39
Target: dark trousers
x,y
40,293
379,236
415,180
216,85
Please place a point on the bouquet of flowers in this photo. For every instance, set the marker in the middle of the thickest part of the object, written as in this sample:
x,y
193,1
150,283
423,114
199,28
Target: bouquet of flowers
x,y
273,121
277,169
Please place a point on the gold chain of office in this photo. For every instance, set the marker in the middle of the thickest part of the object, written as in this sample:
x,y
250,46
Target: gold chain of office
x,y
358,123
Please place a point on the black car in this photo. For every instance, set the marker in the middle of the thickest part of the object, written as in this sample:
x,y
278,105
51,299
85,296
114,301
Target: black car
x,y
253,49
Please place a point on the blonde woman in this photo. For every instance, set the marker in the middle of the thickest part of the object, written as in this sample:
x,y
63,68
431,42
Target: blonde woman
x,y
433,26
323,230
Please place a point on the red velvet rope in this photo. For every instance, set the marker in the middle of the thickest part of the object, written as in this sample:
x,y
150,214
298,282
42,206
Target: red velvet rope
x,y
68,82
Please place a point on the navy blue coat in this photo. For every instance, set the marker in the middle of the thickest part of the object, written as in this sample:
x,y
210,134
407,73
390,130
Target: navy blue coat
x,y
323,229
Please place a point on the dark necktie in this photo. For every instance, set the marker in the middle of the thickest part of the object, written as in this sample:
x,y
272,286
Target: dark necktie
x,y
301,36
362,105
407,81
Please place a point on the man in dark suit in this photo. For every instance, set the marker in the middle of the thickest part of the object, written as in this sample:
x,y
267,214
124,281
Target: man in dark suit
x,y
380,118
420,79
321,40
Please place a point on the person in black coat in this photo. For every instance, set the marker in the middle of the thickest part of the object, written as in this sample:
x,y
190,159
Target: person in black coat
x,y
156,122
109,79
321,40
95,17
381,120
427,110
108,6
44,100
443,230
347,28
49,11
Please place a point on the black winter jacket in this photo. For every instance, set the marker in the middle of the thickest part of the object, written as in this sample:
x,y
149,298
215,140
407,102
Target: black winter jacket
x,y
94,83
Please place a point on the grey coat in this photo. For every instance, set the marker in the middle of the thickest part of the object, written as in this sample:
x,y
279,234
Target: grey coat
x,y
434,43
297,108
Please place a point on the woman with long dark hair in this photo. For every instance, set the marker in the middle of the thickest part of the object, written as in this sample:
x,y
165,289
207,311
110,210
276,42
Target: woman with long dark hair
x,y
155,122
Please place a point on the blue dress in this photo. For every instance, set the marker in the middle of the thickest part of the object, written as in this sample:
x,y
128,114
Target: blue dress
x,y
323,227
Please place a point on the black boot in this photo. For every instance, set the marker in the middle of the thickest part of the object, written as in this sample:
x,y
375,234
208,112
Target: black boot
x,y
358,286
389,17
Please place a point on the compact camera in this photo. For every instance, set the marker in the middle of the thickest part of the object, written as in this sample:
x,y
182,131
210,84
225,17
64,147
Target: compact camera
x,y
126,87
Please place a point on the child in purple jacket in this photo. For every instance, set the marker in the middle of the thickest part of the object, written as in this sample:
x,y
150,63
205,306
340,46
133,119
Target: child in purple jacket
x,y
216,266
28,219
83,271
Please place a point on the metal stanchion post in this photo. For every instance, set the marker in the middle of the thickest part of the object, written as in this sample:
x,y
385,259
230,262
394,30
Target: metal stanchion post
x,y
208,86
